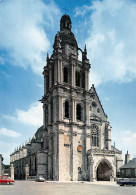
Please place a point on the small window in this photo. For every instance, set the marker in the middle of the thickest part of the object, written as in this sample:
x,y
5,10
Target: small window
x,y
78,112
94,104
98,110
78,76
67,109
65,74
128,172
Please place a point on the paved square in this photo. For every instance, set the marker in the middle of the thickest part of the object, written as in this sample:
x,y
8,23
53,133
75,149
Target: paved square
x,y
70,188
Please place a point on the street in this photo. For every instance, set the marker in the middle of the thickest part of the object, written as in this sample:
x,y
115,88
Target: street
x,y
73,188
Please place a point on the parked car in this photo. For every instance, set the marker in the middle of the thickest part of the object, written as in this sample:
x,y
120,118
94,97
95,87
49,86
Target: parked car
x,y
125,182
6,180
40,179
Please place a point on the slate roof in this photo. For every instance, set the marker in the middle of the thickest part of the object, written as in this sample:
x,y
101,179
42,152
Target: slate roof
x,y
130,164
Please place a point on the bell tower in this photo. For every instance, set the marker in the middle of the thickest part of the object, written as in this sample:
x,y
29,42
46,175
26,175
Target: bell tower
x,y
65,106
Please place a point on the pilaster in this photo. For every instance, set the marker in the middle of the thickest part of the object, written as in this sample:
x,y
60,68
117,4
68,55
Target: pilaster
x,y
91,168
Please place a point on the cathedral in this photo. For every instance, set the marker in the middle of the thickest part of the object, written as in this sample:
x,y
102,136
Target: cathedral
x,y
74,143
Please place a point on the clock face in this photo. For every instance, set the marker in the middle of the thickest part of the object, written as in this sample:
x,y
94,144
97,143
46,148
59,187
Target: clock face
x,y
79,148
94,129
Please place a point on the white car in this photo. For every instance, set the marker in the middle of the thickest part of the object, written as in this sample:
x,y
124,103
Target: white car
x,y
40,179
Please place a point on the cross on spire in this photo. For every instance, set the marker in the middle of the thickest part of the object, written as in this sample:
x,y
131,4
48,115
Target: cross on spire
x,y
65,9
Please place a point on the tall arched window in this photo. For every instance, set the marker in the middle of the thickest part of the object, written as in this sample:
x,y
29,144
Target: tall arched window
x,y
83,80
95,135
35,164
67,109
78,77
65,74
30,165
106,137
78,112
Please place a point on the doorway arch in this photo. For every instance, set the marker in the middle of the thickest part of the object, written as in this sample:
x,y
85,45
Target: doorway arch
x,y
104,171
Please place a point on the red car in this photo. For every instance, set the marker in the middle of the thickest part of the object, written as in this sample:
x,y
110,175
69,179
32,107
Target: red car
x,y
5,180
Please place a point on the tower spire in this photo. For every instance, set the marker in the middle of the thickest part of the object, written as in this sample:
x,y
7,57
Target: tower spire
x,y
85,50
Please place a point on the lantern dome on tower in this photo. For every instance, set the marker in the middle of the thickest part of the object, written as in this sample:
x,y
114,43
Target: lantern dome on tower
x,y
65,23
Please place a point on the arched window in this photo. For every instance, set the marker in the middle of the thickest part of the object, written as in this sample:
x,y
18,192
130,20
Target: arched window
x,y
67,109
83,80
95,135
65,74
106,137
78,112
30,165
78,76
35,164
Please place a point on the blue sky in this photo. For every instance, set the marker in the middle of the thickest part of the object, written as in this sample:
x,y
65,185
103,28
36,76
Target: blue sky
x,y
27,30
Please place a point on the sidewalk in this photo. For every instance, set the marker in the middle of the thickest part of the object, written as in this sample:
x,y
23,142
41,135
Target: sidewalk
x,y
107,183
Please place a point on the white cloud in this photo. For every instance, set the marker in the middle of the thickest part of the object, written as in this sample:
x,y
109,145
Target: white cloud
x,y
6,148
82,10
22,34
111,40
9,133
125,141
107,98
33,116
39,85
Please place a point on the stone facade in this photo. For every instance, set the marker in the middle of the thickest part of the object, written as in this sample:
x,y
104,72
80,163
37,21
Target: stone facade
x,y
74,142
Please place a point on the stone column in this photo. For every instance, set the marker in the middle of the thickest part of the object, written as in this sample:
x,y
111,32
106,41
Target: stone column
x,y
50,77
50,162
87,113
71,152
86,79
45,83
55,108
49,112
73,111
59,70
72,73
26,172
75,158
55,72
44,116
60,108
12,171
109,138
91,168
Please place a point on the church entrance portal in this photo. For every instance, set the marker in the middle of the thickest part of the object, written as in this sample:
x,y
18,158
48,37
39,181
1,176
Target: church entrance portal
x,y
103,172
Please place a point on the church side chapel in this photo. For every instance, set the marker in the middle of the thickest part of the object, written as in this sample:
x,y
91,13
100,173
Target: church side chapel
x,y
74,143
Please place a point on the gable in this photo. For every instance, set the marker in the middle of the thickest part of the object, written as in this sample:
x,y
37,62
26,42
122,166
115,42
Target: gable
x,y
96,109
